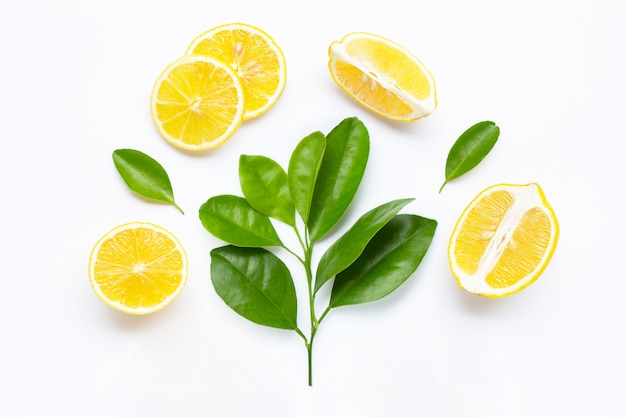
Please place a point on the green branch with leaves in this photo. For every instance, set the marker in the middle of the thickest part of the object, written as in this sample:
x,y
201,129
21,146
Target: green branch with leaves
x,y
378,253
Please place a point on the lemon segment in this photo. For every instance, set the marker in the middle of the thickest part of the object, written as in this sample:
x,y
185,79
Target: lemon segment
x,y
503,240
253,55
138,268
383,76
197,103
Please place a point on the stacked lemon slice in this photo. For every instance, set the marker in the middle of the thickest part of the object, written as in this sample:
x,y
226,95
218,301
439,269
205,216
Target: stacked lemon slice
x,y
231,73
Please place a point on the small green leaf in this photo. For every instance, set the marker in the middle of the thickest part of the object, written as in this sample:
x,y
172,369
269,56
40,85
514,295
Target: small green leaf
x,y
339,176
265,186
348,247
470,148
144,175
389,259
233,220
304,166
256,284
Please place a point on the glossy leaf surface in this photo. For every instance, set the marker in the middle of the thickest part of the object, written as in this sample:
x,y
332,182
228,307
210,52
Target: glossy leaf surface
x,y
144,175
264,184
348,247
470,148
339,177
304,166
389,259
233,220
256,284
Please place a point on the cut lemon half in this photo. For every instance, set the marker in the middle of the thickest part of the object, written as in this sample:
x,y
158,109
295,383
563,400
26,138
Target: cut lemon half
x,y
197,103
138,268
253,55
383,76
503,240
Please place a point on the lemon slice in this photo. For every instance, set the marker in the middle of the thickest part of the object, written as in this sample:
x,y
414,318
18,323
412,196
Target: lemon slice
x,y
138,268
253,55
504,240
197,103
383,76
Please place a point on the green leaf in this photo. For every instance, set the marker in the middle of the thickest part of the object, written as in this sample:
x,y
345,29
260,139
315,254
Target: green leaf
x,y
348,247
144,175
304,166
339,177
470,148
256,284
389,259
233,220
265,186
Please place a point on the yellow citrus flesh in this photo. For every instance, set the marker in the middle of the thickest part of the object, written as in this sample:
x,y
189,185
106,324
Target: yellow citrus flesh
x,y
138,268
197,103
383,76
504,240
253,55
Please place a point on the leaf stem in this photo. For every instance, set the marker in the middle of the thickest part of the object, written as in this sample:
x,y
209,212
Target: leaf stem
x,y
309,349
178,207
308,255
303,242
298,257
302,335
307,248
323,315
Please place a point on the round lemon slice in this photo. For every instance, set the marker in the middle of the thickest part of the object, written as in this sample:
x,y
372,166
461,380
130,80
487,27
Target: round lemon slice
x,y
253,55
197,103
383,76
138,268
503,240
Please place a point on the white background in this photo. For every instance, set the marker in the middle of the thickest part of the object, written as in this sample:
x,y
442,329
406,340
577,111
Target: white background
x,y
76,79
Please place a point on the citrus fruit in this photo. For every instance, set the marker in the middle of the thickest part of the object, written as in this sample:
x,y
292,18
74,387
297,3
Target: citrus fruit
x,y
383,76
197,103
503,240
138,268
253,55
